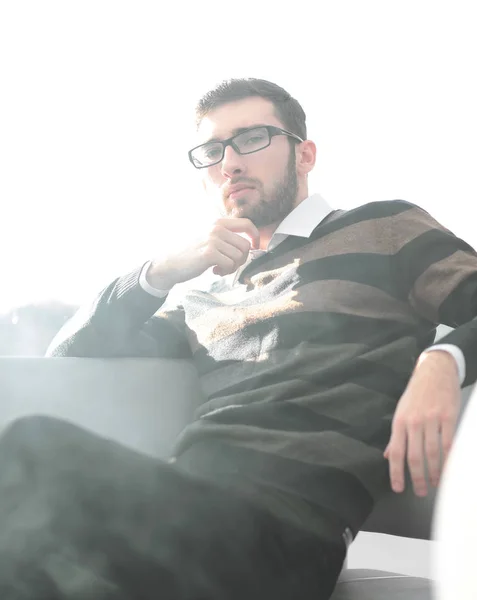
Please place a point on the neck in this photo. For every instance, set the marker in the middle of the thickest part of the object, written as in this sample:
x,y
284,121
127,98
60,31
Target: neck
x,y
266,233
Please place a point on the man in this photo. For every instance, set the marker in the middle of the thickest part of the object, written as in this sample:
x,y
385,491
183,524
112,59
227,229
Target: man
x,y
314,348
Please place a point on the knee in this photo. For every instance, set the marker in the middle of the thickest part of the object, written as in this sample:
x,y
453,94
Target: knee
x,y
30,424
35,432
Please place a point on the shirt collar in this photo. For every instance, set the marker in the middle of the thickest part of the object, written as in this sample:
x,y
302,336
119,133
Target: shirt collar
x,y
301,222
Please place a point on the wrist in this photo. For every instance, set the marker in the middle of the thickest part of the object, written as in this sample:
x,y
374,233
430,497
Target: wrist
x,y
158,277
438,360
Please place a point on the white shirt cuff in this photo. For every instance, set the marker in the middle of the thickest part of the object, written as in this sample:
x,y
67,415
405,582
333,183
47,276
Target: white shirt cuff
x,y
456,353
147,287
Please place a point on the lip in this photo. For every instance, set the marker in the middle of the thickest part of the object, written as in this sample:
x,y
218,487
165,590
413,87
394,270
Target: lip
x,y
235,191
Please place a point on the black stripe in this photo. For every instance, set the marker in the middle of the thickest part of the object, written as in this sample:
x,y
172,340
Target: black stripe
x,y
364,373
460,306
421,253
338,491
374,430
372,210
368,374
320,328
278,416
366,268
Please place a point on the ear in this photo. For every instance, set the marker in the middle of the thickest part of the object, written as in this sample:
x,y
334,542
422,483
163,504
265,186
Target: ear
x,y
305,157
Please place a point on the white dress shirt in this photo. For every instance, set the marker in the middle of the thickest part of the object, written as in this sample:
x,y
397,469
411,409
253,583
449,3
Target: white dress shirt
x,y
301,222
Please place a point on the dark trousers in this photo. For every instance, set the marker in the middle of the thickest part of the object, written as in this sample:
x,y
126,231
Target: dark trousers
x,y
84,518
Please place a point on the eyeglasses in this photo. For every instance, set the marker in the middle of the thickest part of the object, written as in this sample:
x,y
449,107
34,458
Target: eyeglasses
x,y
248,141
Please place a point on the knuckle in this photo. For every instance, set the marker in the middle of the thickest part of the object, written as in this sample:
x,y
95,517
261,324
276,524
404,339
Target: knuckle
x,y
211,256
433,453
237,259
226,264
447,416
396,453
217,228
433,414
446,445
413,459
414,422
209,252
399,421
243,254
244,243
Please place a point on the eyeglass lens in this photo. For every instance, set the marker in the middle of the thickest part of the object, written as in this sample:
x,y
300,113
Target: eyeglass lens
x,y
247,142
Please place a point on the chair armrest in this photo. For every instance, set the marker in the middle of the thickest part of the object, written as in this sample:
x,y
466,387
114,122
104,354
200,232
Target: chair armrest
x,y
142,403
391,553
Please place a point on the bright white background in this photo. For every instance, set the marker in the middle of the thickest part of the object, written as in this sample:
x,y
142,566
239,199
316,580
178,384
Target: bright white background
x,y
96,112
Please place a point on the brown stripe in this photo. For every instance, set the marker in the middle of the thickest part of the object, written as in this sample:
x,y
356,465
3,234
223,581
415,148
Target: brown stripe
x,y
327,448
385,235
352,298
435,284
333,296
220,322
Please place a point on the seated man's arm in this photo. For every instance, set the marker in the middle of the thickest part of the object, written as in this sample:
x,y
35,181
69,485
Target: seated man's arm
x,y
437,273
120,322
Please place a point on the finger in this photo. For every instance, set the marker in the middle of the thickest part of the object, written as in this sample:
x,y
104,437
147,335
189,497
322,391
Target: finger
x,y
432,450
243,226
448,426
223,265
235,239
396,452
226,258
230,251
415,458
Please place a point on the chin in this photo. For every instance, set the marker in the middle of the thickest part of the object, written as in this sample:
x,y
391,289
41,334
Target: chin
x,y
242,212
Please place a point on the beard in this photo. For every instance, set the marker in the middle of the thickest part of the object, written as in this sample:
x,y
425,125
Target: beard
x,y
274,206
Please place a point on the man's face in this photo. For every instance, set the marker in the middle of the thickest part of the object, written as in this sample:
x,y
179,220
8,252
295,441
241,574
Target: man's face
x,y
271,172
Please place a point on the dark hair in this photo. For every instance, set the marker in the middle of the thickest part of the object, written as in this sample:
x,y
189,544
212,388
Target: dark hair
x,y
287,109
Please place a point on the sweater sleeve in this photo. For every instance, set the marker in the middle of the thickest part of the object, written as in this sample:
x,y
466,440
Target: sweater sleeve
x,y
436,273
122,322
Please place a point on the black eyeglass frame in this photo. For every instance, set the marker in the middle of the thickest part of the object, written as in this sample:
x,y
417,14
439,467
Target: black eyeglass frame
x,y
272,132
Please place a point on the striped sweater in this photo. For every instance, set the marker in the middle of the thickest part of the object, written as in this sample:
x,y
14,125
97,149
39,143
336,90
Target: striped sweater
x,y
303,359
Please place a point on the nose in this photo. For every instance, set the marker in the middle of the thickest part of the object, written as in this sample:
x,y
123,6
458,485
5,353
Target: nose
x,y
232,163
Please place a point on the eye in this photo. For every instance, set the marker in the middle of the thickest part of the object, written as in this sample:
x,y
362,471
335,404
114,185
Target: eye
x,y
212,153
254,139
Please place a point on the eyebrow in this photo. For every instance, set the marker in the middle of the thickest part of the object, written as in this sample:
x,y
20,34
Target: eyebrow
x,y
235,132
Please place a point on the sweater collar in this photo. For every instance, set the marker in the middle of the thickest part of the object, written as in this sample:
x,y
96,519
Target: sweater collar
x,y
301,222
